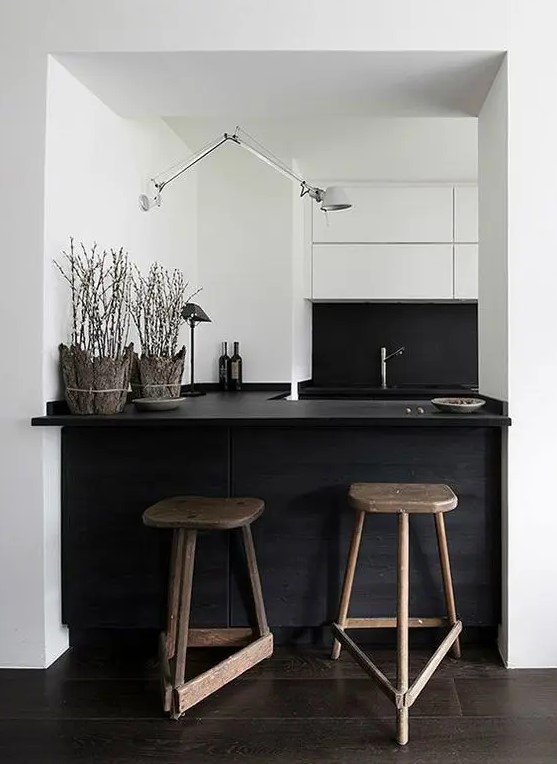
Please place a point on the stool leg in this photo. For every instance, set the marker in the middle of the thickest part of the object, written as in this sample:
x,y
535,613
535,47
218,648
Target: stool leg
x,y
255,581
402,626
174,591
187,562
447,576
349,579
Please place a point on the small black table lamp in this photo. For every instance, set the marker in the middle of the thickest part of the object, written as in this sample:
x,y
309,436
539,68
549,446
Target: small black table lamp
x,y
194,315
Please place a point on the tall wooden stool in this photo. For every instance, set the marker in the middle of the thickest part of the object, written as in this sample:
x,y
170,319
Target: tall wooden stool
x,y
402,499
185,516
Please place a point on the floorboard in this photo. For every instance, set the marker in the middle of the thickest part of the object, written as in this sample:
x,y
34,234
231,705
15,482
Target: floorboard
x,y
463,741
103,706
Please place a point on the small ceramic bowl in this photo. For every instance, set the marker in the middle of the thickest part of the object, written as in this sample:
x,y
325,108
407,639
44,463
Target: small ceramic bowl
x,y
157,404
458,405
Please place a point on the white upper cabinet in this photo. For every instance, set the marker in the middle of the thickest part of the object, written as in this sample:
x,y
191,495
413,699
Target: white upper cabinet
x,y
466,214
389,214
466,271
398,243
383,272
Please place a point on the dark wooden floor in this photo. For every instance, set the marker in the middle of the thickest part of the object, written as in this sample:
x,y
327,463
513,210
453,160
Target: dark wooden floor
x,y
296,708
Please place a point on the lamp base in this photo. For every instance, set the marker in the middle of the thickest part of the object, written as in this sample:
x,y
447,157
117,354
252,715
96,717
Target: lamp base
x,y
193,393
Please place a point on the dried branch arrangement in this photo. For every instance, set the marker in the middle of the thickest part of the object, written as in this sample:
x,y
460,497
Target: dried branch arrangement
x,y
156,308
100,285
96,366
106,295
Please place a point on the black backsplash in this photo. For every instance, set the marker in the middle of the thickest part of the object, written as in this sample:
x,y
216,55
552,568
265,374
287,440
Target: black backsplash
x,y
441,341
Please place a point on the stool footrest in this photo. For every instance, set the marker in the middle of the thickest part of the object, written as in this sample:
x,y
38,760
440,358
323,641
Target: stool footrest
x,y
391,623
368,666
406,699
433,663
221,637
197,689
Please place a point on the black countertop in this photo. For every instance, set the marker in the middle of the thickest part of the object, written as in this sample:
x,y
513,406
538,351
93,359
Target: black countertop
x,y
264,408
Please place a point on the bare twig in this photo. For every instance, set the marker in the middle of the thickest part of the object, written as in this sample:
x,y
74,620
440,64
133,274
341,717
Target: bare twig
x,y
156,307
100,297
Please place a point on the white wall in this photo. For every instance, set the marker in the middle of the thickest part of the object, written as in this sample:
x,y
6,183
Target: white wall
x,y
32,28
244,264
532,519
96,165
493,286
399,25
493,276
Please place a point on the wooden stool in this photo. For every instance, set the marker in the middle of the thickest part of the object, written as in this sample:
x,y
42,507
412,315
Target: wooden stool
x,y
402,499
186,515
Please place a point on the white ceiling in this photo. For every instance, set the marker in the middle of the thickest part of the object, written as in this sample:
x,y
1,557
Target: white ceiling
x,y
288,84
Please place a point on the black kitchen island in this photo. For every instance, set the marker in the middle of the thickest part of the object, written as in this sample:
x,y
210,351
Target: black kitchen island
x,y
300,457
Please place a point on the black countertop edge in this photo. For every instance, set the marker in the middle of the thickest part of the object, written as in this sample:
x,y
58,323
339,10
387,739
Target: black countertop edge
x,y
458,420
263,409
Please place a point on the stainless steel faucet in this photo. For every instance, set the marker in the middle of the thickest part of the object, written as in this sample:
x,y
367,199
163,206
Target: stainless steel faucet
x,y
384,359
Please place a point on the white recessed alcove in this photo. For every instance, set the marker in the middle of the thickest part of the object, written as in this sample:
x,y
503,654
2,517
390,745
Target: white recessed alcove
x,y
406,120
236,227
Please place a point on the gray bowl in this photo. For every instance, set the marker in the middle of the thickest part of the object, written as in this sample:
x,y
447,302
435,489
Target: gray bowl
x,y
157,404
458,405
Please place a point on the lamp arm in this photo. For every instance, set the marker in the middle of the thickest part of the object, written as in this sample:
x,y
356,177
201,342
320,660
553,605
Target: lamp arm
x,y
306,188
313,191
193,160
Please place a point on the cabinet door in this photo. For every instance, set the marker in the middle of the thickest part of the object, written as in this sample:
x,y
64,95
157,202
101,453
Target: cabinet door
x,y
466,271
389,214
382,272
466,213
302,538
114,568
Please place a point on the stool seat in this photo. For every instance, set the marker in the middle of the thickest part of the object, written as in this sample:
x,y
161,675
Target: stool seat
x,y
203,513
425,498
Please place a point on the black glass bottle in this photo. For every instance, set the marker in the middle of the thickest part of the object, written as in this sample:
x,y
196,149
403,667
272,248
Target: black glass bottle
x,y
236,369
224,368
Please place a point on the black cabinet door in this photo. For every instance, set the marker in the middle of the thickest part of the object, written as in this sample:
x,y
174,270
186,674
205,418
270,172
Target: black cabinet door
x,y
302,539
114,568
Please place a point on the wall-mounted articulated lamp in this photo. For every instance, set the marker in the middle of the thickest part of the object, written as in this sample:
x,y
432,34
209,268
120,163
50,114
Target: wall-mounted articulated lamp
x,y
331,199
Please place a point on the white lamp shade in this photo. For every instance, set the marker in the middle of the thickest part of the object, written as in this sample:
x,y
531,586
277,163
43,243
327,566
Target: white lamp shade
x,y
335,198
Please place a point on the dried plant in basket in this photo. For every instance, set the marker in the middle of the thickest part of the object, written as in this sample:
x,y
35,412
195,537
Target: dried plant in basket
x,y
156,309
96,366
